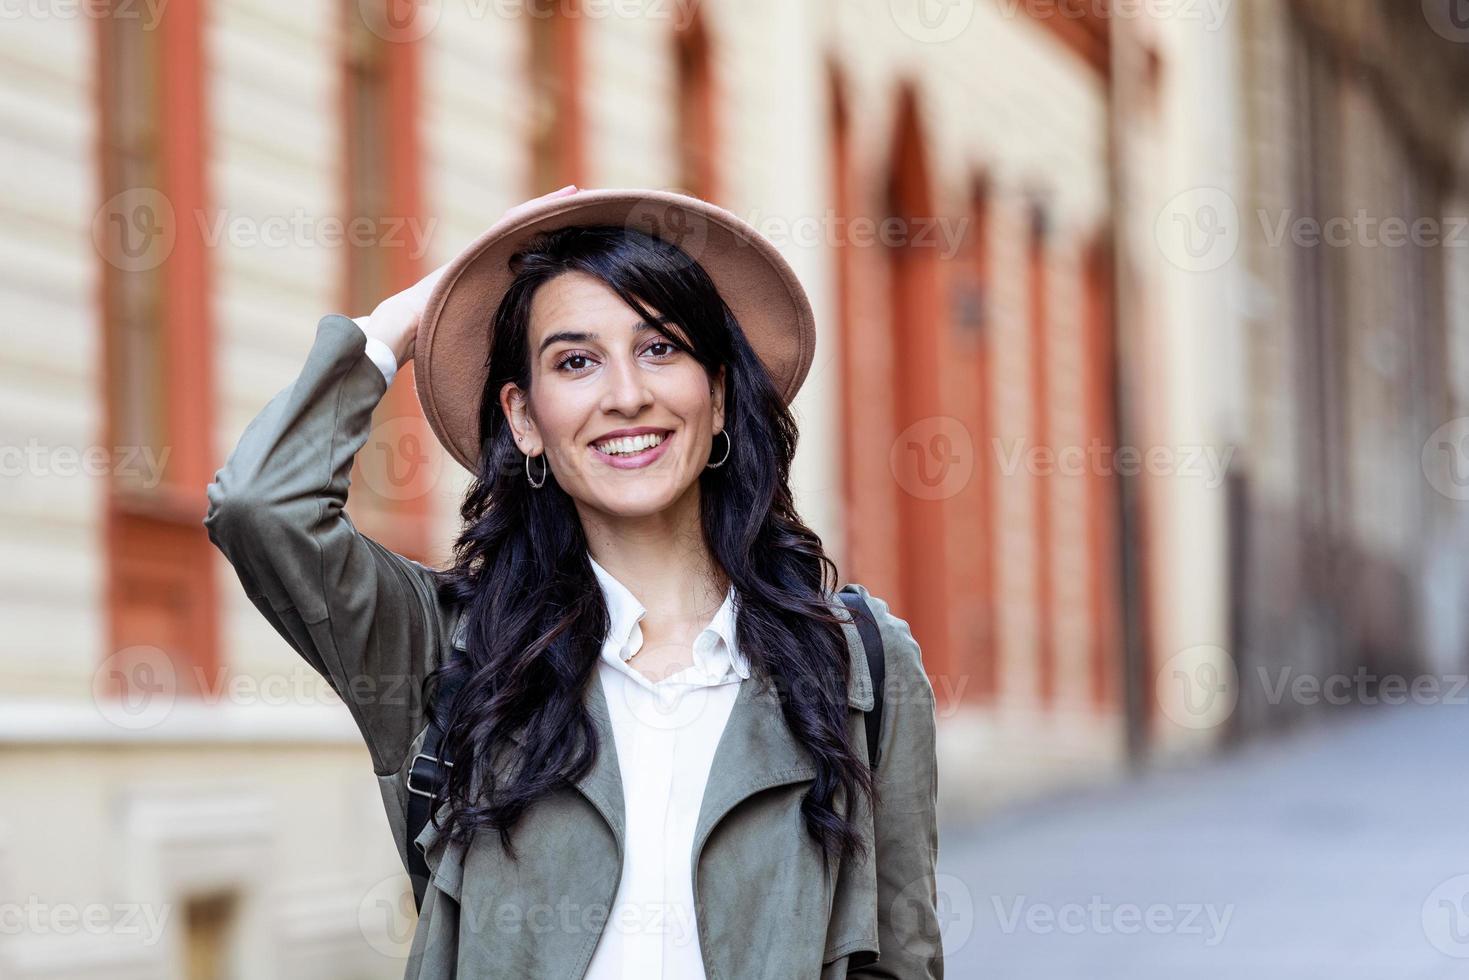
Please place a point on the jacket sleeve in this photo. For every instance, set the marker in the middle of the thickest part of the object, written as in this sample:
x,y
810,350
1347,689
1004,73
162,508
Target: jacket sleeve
x,y
366,619
905,822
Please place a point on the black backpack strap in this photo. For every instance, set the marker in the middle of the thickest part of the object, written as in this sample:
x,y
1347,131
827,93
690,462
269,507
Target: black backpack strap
x,y
428,774
876,666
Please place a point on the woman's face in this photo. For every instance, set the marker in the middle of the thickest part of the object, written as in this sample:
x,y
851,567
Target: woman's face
x,y
596,370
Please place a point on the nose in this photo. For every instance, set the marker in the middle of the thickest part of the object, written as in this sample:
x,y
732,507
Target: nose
x,y
626,391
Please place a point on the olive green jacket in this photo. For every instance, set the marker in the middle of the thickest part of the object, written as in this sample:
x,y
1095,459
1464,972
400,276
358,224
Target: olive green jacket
x,y
369,621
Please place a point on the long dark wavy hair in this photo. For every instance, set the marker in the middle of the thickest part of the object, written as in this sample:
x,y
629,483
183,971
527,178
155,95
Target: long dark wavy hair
x,y
536,617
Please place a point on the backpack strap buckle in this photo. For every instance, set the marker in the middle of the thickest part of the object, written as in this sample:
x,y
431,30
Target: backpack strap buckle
x,y
429,772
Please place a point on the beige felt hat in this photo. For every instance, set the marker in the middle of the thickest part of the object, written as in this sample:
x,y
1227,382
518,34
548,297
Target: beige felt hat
x,y
453,342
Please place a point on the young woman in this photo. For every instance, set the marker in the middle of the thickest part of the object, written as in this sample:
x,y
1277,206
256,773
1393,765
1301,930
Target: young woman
x,y
660,766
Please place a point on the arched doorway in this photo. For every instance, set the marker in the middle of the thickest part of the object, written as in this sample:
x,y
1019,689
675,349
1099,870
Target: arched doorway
x,y
917,322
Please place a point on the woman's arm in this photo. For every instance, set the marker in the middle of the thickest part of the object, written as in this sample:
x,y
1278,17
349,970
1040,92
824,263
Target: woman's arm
x,y
366,619
905,822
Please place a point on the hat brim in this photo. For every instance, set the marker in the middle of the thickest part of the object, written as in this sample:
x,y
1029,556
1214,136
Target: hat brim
x,y
451,350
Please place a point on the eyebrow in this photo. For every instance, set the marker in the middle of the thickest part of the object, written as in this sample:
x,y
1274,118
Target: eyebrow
x,y
585,336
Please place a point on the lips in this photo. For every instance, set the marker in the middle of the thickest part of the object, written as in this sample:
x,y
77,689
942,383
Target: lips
x,y
627,445
643,456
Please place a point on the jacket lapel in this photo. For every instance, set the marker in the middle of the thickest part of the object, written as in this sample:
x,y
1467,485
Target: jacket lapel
x,y
758,750
602,783
755,752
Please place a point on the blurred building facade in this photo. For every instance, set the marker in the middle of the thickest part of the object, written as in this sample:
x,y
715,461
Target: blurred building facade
x,y
1042,245
1293,204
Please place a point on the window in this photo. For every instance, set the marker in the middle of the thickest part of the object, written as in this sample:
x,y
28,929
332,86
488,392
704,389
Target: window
x,y
696,128
210,936
394,472
1039,312
555,110
156,372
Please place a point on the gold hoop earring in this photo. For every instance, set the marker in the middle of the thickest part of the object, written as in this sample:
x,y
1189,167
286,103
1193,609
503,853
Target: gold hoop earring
x,y
528,477
728,445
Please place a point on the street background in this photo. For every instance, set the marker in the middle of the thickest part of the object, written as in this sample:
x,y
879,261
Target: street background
x,y
1140,393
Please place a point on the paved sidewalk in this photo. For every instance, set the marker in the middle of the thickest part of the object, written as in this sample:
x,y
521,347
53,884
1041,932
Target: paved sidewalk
x,y
1335,851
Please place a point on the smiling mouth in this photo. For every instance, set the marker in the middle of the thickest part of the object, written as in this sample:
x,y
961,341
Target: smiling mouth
x,y
626,447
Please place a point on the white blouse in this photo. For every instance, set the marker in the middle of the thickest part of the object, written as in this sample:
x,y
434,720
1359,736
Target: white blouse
x,y
665,734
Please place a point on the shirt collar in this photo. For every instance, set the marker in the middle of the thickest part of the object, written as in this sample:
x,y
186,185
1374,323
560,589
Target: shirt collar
x,y
625,635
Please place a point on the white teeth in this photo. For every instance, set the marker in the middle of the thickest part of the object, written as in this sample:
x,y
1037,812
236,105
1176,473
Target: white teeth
x,y
628,445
